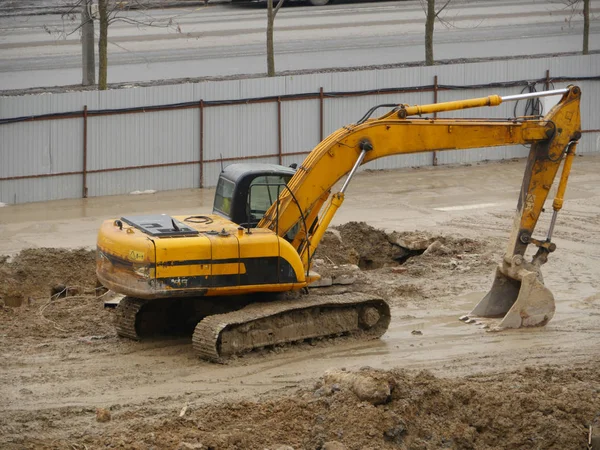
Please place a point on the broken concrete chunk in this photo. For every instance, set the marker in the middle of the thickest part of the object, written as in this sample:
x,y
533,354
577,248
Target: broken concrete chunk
x,y
323,282
437,248
189,446
368,387
414,242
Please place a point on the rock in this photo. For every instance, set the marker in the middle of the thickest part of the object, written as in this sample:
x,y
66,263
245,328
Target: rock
x,y
414,242
102,415
323,282
399,270
189,446
333,445
371,390
25,391
324,391
183,411
416,332
396,433
284,447
437,248
369,387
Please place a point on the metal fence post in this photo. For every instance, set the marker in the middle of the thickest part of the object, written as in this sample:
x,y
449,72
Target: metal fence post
x,y
279,132
85,127
201,138
321,98
435,100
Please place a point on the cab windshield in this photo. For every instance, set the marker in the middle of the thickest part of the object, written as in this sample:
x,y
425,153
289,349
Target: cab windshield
x,y
263,192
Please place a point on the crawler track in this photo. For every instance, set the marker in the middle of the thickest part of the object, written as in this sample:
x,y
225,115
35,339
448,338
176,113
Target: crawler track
x,y
263,324
137,318
125,317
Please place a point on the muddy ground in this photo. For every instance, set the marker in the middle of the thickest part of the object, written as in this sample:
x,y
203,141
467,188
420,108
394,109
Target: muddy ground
x,y
67,380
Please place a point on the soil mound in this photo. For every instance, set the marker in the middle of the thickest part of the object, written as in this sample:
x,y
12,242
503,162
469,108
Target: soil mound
x,y
370,248
35,271
376,409
398,266
51,292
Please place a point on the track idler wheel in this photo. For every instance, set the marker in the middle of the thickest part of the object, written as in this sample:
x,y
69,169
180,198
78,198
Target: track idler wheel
x,y
369,317
518,297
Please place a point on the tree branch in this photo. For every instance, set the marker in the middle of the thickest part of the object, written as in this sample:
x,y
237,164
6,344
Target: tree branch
x,y
279,3
442,8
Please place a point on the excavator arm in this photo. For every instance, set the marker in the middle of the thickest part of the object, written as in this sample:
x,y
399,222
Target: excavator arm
x,y
552,138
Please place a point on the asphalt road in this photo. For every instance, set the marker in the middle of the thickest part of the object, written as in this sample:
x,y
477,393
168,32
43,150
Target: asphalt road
x,y
223,39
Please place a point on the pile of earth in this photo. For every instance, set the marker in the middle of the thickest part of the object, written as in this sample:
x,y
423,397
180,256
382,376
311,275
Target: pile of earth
x,y
403,265
51,292
532,408
370,248
35,272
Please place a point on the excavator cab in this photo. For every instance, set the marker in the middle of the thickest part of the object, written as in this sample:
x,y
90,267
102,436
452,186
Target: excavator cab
x,y
246,191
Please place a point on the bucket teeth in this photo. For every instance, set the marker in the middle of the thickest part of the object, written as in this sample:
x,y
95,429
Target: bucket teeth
x,y
518,298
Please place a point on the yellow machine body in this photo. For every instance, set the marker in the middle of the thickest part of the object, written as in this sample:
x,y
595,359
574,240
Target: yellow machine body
x,y
221,259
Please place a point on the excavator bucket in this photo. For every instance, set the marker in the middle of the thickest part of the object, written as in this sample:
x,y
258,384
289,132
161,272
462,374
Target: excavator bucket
x,y
518,297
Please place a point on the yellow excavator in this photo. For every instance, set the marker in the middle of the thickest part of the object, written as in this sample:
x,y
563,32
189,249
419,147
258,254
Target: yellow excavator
x,y
218,274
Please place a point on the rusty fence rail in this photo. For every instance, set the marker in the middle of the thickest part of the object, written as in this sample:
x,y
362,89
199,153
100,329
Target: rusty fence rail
x,y
322,96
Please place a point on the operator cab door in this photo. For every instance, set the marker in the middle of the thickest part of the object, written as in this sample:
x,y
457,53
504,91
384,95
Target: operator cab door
x,y
260,254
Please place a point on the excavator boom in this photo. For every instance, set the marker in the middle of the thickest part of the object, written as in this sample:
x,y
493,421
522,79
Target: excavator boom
x,y
552,138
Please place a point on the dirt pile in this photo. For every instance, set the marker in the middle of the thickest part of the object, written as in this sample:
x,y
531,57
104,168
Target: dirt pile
x,y
370,248
34,272
403,265
29,310
374,409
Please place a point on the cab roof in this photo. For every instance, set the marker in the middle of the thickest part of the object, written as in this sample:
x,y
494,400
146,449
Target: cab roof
x,y
235,172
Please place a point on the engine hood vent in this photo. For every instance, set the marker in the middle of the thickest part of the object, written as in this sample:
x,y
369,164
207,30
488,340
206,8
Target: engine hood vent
x,y
159,225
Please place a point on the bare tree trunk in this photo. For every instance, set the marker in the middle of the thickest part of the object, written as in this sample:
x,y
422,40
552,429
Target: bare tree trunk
x,y
87,45
586,26
429,25
270,45
103,45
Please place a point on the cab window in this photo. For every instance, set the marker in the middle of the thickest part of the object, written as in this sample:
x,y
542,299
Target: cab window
x,y
223,196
